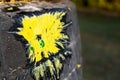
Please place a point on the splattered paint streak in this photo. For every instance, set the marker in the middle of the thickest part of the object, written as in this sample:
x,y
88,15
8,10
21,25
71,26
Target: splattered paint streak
x,y
46,40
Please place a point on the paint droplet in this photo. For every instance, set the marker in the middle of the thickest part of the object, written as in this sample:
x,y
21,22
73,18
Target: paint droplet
x,y
78,65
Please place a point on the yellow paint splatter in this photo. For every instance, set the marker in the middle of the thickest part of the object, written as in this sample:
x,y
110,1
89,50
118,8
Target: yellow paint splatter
x,y
42,33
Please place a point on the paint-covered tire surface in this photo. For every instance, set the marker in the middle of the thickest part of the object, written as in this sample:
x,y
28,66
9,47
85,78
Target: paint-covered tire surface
x,y
13,57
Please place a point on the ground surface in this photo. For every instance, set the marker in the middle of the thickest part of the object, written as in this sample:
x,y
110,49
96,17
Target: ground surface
x,y
100,38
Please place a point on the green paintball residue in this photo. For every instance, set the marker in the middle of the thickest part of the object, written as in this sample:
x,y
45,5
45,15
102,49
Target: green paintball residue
x,y
42,44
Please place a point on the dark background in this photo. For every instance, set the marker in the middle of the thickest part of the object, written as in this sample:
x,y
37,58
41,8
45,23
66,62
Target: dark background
x,y
99,23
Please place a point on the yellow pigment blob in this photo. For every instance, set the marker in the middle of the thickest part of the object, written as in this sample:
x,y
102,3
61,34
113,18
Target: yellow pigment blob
x,y
48,27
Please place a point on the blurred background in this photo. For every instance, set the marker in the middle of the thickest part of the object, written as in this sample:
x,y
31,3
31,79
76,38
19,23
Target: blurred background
x,y
99,23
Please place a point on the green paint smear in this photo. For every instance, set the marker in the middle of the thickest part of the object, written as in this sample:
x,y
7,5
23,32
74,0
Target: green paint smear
x,y
42,44
31,48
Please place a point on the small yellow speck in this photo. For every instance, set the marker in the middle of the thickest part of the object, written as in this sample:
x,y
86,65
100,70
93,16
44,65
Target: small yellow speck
x,y
78,65
10,8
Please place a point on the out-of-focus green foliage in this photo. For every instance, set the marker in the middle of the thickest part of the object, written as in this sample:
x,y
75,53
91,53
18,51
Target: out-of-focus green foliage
x,y
101,4
93,3
100,40
107,4
117,5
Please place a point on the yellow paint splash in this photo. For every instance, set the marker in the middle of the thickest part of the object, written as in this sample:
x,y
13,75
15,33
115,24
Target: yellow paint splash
x,y
48,28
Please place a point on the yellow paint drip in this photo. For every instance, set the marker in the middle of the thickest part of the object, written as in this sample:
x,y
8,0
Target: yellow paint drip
x,y
58,66
51,67
48,26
